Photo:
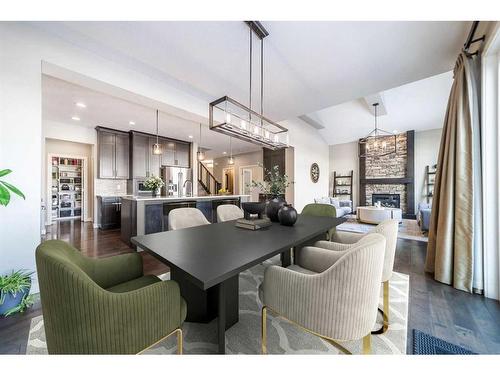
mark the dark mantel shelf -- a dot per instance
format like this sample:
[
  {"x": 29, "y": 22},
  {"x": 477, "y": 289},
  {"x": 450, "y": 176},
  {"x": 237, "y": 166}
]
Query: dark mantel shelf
[{"x": 387, "y": 180}]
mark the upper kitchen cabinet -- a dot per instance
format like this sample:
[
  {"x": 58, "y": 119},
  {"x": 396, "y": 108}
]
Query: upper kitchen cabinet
[
  {"x": 113, "y": 154},
  {"x": 140, "y": 155},
  {"x": 182, "y": 154},
  {"x": 168, "y": 156}
]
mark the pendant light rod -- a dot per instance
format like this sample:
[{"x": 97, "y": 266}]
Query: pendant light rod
[
  {"x": 375, "y": 105},
  {"x": 250, "y": 55},
  {"x": 157, "y": 115},
  {"x": 262, "y": 76}
]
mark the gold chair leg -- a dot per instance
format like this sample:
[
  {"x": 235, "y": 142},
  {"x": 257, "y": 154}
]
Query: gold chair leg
[
  {"x": 179, "y": 341},
  {"x": 367, "y": 344},
  {"x": 386, "y": 305},
  {"x": 385, "y": 311},
  {"x": 264, "y": 330}
]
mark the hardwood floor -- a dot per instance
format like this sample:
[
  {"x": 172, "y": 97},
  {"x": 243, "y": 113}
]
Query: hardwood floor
[
  {"x": 470, "y": 321},
  {"x": 463, "y": 319}
]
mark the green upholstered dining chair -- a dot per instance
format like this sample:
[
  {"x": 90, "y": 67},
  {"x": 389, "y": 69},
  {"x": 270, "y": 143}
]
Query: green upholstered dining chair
[
  {"x": 320, "y": 209},
  {"x": 104, "y": 306}
]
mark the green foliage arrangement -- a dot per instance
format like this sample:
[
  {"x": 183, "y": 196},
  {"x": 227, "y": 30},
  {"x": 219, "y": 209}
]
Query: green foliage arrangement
[
  {"x": 6, "y": 188},
  {"x": 274, "y": 183},
  {"x": 16, "y": 282},
  {"x": 154, "y": 183}
]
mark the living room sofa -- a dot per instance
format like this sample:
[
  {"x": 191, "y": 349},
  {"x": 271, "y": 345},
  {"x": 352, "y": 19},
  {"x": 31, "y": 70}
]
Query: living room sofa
[
  {"x": 342, "y": 206},
  {"x": 424, "y": 216}
]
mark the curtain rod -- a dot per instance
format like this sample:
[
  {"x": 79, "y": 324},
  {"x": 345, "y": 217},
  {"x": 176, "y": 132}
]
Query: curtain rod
[{"x": 470, "y": 38}]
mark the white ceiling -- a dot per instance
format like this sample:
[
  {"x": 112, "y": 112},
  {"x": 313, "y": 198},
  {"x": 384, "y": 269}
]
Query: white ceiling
[
  {"x": 59, "y": 100},
  {"x": 308, "y": 65},
  {"x": 417, "y": 106}
]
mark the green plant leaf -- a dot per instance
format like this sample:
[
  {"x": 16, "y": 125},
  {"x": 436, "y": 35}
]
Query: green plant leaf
[
  {"x": 4, "y": 196},
  {"x": 13, "y": 189},
  {"x": 5, "y": 172}
]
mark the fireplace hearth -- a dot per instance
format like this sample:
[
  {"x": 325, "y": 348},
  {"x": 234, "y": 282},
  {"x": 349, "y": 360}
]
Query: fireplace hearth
[{"x": 387, "y": 200}]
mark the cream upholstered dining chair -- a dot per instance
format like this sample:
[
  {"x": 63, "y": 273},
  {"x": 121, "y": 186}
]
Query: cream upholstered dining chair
[
  {"x": 344, "y": 240},
  {"x": 186, "y": 217},
  {"x": 227, "y": 212},
  {"x": 331, "y": 296}
]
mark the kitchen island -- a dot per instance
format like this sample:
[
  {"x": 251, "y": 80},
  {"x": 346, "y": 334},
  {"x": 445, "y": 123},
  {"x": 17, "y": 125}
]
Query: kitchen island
[{"x": 145, "y": 215}]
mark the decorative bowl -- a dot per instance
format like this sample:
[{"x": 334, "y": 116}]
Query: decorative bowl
[{"x": 253, "y": 208}]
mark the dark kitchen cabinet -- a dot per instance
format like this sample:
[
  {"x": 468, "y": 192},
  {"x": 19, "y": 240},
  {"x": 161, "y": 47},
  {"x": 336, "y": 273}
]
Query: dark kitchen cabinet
[
  {"x": 168, "y": 156},
  {"x": 140, "y": 155},
  {"x": 113, "y": 154},
  {"x": 121, "y": 156},
  {"x": 110, "y": 212},
  {"x": 182, "y": 152}
]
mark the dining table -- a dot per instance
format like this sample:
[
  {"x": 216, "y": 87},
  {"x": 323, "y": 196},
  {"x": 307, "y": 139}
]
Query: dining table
[{"x": 206, "y": 261}]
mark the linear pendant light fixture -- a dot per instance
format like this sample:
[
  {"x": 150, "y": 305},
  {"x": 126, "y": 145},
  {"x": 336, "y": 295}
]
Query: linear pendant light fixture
[
  {"x": 232, "y": 118},
  {"x": 157, "y": 150},
  {"x": 378, "y": 142}
]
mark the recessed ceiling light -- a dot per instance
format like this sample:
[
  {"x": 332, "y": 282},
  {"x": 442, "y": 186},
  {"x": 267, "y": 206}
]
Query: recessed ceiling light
[
  {"x": 190, "y": 136},
  {"x": 131, "y": 123},
  {"x": 81, "y": 105},
  {"x": 224, "y": 153},
  {"x": 76, "y": 118}
]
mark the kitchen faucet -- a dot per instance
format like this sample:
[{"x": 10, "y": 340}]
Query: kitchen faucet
[{"x": 191, "y": 190}]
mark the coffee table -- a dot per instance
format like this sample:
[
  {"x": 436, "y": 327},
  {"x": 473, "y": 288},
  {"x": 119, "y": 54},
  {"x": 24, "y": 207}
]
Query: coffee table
[{"x": 375, "y": 215}]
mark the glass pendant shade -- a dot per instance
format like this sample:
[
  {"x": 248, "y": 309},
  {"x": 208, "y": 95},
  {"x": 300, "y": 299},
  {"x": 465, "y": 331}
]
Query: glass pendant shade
[
  {"x": 200, "y": 155},
  {"x": 157, "y": 149},
  {"x": 230, "y": 160}
]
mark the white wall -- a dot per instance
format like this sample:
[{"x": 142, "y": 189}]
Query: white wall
[
  {"x": 309, "y": 147},
  {"x": 343, "y": 159},
  {"x": 426, "y": 153}
]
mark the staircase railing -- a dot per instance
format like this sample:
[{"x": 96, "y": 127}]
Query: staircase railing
[{"x": 207, "y": 180}]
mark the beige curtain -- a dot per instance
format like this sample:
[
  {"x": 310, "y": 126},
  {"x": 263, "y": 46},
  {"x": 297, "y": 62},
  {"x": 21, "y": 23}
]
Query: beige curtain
[{"x": 450, "y": 251}]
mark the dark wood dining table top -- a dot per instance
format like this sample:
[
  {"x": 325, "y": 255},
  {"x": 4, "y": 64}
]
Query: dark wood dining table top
[{"x": 212, "y": 253}]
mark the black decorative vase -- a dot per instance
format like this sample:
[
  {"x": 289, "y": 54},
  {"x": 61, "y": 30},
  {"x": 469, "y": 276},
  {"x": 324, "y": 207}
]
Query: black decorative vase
[
  {"x": 273, "y": 207},
  {"x": 287, "y": 215}
]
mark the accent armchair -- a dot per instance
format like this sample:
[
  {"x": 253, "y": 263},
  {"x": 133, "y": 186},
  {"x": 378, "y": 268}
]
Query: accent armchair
[
  {"x": 332, "y": 297},
  {"x": 343, "y": 241},
  {"x": 188, "y": 217},
  {"x": 104, "y": 306},
  {"x": 227, "y": 212},
  {"x": 321, "y": 209}
]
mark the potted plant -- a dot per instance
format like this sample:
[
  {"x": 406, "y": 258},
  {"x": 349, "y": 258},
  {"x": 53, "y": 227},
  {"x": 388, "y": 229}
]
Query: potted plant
[
  {"x": 273, "y": 188},
  {"x": 154, "y": 183},
  {"x": 14, "y": 292},
  {"x": 6, "y": 188},
  {"x": 14, "y": 288}
]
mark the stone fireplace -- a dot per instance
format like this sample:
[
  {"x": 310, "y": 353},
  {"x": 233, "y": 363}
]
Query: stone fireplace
[{"x": 390, "y": 178}]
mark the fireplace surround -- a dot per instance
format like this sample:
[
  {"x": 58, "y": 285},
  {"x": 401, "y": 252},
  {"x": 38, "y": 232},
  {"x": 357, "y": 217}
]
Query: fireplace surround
[{"x": 393, "y": 174}]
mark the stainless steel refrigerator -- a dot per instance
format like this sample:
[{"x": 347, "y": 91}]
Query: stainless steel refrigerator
[{"x": 178, "y": 181}]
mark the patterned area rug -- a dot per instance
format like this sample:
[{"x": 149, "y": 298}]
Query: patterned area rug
[
  {"x": 283, "y": 337},
  {"x": 408, "y": 229}
]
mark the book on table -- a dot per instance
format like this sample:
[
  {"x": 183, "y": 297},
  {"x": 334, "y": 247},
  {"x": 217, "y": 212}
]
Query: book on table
[{"x": 253, "y": 224}]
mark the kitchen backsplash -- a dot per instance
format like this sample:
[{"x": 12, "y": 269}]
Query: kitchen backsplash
[{"x": 110, "y": 187}]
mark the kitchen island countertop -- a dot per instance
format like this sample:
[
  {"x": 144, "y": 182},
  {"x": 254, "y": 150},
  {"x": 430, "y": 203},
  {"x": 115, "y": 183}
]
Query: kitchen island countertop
[{"x": 174, "y": 198}]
